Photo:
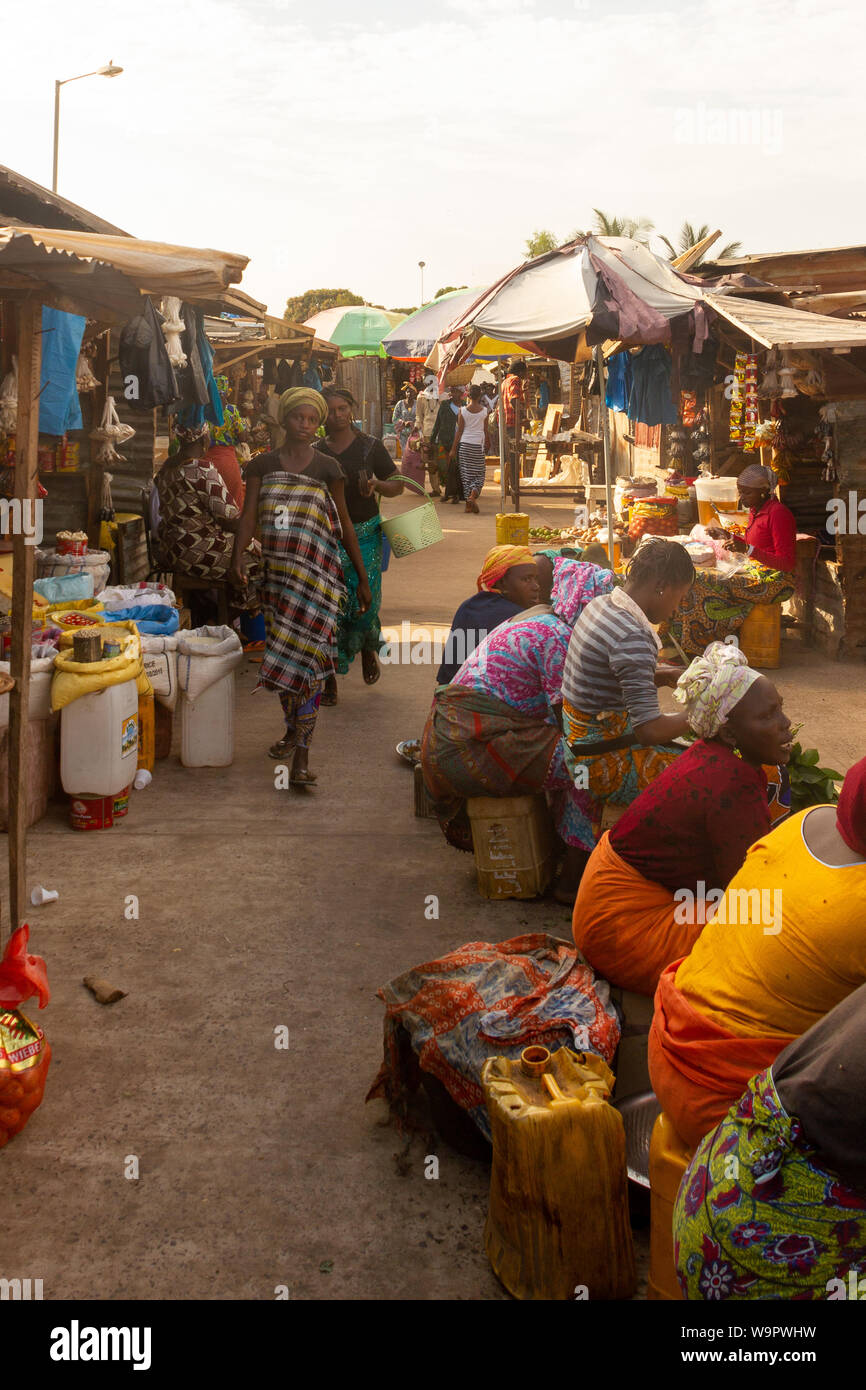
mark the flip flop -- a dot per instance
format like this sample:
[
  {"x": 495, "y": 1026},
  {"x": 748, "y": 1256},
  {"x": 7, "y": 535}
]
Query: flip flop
[
  {"x": 371, "y": 678},
  {"x": 281, "y": 748}
]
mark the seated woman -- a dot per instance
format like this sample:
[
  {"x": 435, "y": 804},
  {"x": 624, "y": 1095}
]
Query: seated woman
[
  {"x": 616, "y": 738},
  {"x": 718, "y": 606},
  {"x": 494, "y": 731},
  {"x": 507, "y": 584},
  {"x": 786, "y": 944},
  {"x": 197, "y": 519},
  {"x": 773, "y": 1204},
  {"x": 643, "y": 897}
]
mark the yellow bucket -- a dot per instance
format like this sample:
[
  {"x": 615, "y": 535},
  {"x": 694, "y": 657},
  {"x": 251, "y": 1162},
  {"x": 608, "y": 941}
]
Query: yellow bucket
[
  {"x": 512, "y": 528},
  {"x": 760, "y": 636}
]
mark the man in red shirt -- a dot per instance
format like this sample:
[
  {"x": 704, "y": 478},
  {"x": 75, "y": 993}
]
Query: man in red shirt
[
  {"x": 771, "y": 533},
  {"x": 512, "y": 392}
]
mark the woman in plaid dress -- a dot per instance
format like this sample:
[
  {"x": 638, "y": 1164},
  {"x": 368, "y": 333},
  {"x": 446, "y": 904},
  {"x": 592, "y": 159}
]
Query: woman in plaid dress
[{"x": 297, "y": 498}]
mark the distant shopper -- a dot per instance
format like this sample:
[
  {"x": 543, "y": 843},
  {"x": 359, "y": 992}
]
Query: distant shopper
[
  {"x": 426, "y": 410},
  {"x": 471, "y": 443},
  {"x": 442, "y": 439},
  {"x": 512, "y": 393},
  {"x": 403, "y": 417}
]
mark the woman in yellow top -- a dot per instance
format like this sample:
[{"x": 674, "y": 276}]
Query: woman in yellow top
[{"x": 787, "y": 943}]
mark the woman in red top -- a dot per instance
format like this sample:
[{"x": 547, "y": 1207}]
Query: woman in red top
[
  {"x": 718, "y": 604},
  {"x": 654, "y": 878}
]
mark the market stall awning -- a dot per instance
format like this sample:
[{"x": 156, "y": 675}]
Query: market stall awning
[
  {"x": 774, "y": 325},
  {"x": 615, "y": 283},
  {"x": 357, "y": 330},
  {"x": 106, "y": 275},
  {"x": 415, "y": 339}
]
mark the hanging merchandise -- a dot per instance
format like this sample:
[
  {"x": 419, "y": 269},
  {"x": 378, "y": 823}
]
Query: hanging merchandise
[
  {"x": 771, "y": 387},
  {"x": 786, "y": 377},
  {"x": 9, "y": 399},
  {"x": 744, "y": 401},
  {"x": 200, "y": 398},
  {"x": 689, "y": 408},
  {"x": 148, "y": 376},
  {"x": 619, "y": 381},
  {"x": 59, "y": 408},
  {"x": 829, "y": 472},
  {"x": 650, "y": 401},
  {"x": 172, "y": 329},
  {"x": 110, "y": 433},
  {"x": 84, "y": 378}
]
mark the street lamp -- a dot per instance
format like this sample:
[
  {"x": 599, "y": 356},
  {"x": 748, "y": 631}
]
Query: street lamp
[
  {"x": 421, "y": 265},
  {"x": 108, "y": 71}
]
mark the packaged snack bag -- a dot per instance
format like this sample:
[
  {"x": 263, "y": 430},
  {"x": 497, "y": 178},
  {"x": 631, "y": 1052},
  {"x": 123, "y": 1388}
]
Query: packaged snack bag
[{"x": 25, "y": 1053}]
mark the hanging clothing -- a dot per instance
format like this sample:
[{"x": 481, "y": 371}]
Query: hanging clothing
[
  {"x": 149, "y": 379},
  {"x": 650, "y": 399},
  {"x": 619, "y": 381},
  {"x": 59, "y": 408}
]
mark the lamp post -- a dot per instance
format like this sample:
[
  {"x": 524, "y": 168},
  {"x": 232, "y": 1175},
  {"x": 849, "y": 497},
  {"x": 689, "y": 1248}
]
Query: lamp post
[
  {"x": 421, "y": 265},
  {"x": 108, "y": 71}
]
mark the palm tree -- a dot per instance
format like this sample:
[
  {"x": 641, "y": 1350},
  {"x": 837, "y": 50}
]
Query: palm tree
[
  {"x": 690, "y": 236},
  {"x": 638, "y": 228}
]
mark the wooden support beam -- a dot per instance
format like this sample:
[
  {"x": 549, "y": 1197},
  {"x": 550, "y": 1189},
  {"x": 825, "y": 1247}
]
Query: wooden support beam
[{"x": 23, "y": 573}]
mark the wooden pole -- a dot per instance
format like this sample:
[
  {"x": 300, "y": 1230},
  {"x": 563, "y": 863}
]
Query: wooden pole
[
  {"x": 23, "y": 573},
  {"x": 605, "y": 422}
]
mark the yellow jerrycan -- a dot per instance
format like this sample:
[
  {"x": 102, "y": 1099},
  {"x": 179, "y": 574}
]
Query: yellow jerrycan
[{"x": 557, "y": 1223}]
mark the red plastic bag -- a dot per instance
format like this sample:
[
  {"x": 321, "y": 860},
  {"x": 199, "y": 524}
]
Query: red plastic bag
[{"x": 25, "y": 1053}]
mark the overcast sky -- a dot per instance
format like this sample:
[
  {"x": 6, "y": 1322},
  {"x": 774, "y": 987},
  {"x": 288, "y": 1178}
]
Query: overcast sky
[{"x": 338, "y": 144}]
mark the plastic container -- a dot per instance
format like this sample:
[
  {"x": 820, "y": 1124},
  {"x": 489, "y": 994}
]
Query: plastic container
[
  {"x": 207, "y": 725},
  {"x": 512, "y": 528},
  {"x": 413, "y": 530},
  {"x": 99, "y": 741},
  {"x": 514, "y": 845},
  {"x": 91, "y": 812},
  {"x": 760, "y": 637},
  {"x": 146, "y": 732},
  {"x": 558, "y": 1215},
  {"x": 715, "y": 492},
  {"x": 668, "y": 1160}
]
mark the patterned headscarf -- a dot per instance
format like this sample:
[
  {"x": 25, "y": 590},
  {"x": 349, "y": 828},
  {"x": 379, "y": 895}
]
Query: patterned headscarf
[
  {"x": 302, "y": 395},
  {"x": 713, "y": 685},
  {"x": 575, "y": 583},
  {"x": 500, "y": 559},
  {"x": 222, "y": 384},
  {"x": 851, "y": 810},
  {"x": 192, "y": 433}
]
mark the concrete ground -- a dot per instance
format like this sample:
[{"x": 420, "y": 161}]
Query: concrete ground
[{"x": 260, "y": 910}]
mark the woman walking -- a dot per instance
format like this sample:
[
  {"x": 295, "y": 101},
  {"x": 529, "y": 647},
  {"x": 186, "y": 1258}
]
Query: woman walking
[
  {"x": 297, "y": 496},
  {"x": 471, "y": 442},
  {"x": 369, "y": 474}
]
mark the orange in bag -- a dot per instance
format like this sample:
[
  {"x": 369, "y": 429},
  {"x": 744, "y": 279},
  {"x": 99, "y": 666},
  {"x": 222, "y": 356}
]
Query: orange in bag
[{"x": 25, "y": 1053}]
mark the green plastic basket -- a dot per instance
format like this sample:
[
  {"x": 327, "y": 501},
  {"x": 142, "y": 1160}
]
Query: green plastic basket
[{"x": 413, "y": 530}]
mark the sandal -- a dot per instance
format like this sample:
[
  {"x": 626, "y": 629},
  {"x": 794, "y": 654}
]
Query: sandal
[
  {"x": 329, "y": 694},
  {"x": 283, "y": 747},
  {"x": 371, "y": 668},
  {"x": 304, "y": 778}
]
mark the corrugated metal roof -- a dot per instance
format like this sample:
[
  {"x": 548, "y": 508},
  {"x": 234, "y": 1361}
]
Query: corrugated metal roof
[
  {"x": 22, "y": 200},
  {"x": 777, "y": 326}
]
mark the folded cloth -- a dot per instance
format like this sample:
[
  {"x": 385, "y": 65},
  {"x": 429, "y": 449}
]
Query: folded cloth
[
  {"x": 625, "y": 924},
  {"x": 156, "y": 619},
  {"x": 697, "y": 1068},
  {"x": 490, "y": 1000}
]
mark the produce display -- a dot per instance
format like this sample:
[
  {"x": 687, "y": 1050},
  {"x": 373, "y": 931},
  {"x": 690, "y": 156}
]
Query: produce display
[{"x": 574, "y": 535}]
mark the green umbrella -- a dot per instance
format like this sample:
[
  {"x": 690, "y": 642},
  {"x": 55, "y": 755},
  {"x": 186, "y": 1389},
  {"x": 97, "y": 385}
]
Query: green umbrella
[{"x": 356, "y": 329}]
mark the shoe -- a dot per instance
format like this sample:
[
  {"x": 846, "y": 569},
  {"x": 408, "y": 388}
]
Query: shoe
[{"x": 282, "y": 748}]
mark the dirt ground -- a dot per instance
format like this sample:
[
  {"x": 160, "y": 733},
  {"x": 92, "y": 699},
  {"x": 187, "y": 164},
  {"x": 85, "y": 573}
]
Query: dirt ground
[{"x": 258, "y": 910}]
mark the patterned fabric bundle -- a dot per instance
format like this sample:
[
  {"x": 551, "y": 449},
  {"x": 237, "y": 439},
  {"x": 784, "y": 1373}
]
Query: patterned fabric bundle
[
  {"x": 303, "y": 582},
  {"x": 192, "y": 502},
  {"x": 715, "y": 607},
  {"x": 486, "y": 1000}
]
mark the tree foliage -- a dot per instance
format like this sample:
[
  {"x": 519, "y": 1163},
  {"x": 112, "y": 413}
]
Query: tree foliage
[
  {"x": 449, "y": 289},
  {"x": 302, "y": 306},
  {"x": 638, "y": 228},
  {"x": 539, "y": 242},
  {"x": 690, "y": 235}
]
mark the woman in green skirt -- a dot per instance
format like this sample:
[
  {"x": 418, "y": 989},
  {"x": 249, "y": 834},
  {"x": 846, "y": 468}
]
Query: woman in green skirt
[{"x": 369, "y": 473}]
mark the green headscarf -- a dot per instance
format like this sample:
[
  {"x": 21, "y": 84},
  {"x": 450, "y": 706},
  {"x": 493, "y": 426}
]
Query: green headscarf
[{"x": 302, "y": 395}]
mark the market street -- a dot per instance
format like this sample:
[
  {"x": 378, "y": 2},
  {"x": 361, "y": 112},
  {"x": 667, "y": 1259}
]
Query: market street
[{"x": 260, "y": 1167}]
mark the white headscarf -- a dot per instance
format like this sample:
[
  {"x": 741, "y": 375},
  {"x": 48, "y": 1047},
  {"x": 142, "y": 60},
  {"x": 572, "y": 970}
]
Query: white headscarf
[{"x": 713, "y": 685}]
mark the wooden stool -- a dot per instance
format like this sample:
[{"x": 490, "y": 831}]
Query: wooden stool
[
  {"x": 184, "y": 585},
  {"x": 670, "y": 1156}
]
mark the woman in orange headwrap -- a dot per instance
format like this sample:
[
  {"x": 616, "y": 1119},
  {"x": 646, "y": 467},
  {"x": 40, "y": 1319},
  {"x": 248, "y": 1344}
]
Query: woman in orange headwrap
[
  {"x": 785, "y": 946},
  {"x": 508, "y": 583}
]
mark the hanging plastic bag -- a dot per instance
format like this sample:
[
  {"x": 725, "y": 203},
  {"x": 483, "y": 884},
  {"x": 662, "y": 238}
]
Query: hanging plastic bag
[
  {"x": 84, "y": 378},
  {"x": 25, "y": 1053},
  {"x": 9, "y": 399},
  {"x": 172, "y": 329},
  {"x": 111, "y": 432}
]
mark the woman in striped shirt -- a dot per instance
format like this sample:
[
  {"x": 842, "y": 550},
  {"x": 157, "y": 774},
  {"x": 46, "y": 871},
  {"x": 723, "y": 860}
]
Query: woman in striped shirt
[{"x": 616, "y": 737}]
